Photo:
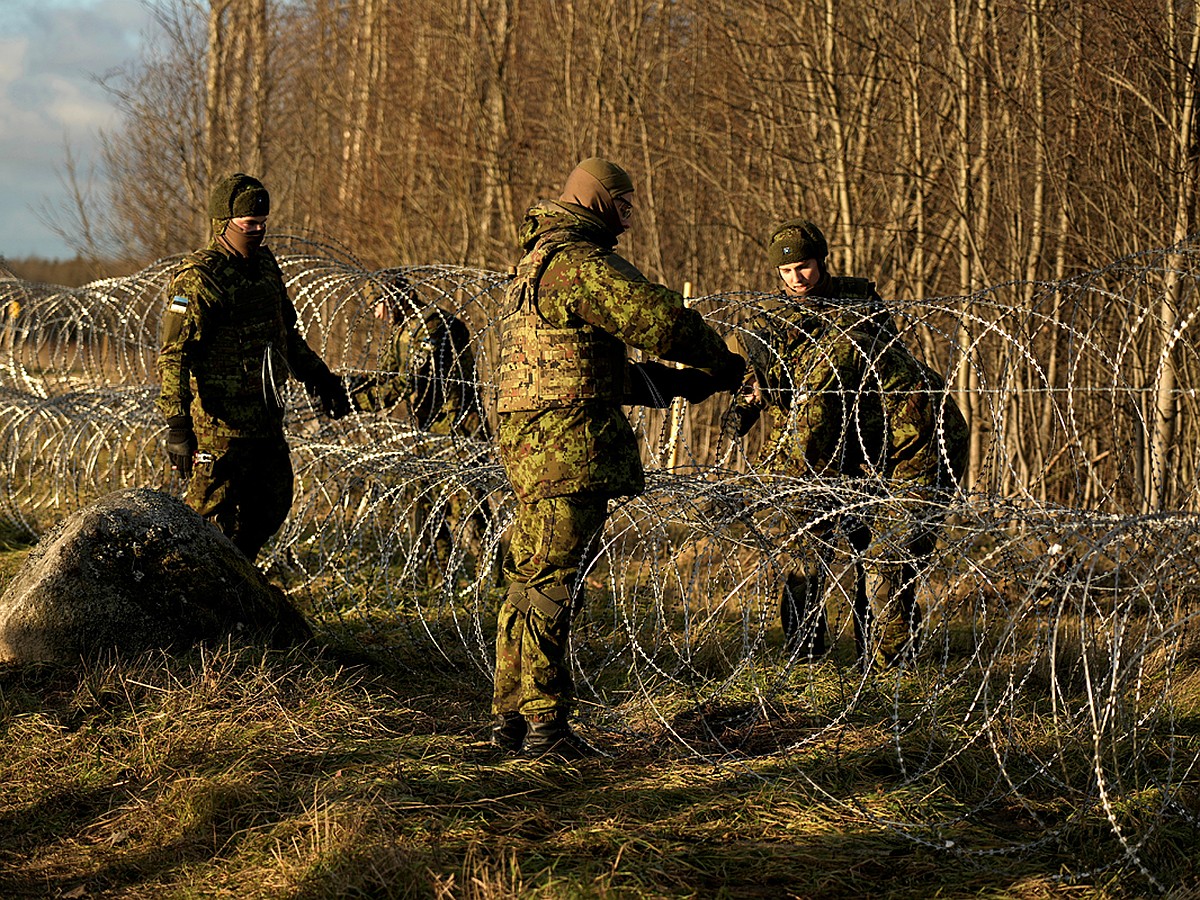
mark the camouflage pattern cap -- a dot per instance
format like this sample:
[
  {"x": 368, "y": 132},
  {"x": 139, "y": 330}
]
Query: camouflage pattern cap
[
  {"x": 238, "y": 195},
  {"x": 795, "y": 241}
]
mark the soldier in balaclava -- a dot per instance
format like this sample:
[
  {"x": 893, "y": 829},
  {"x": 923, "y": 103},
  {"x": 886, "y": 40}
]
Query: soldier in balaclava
[
  {"x": 565, "y": 442},
  {"x": 229, "y": 342},
  {"x": 846, "y": 398}
]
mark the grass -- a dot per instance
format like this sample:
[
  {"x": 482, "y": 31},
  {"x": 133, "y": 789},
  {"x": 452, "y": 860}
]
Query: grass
[{"x": 323, "y": 773}]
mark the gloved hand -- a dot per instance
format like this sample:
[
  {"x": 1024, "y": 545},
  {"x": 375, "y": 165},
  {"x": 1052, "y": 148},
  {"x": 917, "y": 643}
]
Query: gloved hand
[
  {"x": 647, "y": 387},
  {"x": 693, "y": 385},
  {"x": 332, "y": 393},
  {"x": 737, "y": 421},
  {"x": 729, "y": 375},
  {"x": 656, "y": 385},
  {"x": 181, "y": 444}
]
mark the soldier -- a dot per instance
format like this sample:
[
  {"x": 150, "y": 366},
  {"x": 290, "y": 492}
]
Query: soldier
[
  {"x": 847, "y": 398},
  {"x": 798, "y": 252},
  {"x": 229, "y": 341},
  {"x": 427, "y": 361},
  {"x": 566, "y": 445}
]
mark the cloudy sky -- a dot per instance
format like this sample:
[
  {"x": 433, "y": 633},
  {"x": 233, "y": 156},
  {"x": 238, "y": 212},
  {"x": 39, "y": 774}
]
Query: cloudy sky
[{"x": 50, "y": 53}]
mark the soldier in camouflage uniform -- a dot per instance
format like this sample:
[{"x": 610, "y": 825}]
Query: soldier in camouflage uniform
[
  {"x": 229, "y": 341},
  {"x": 847, "y": 398},
  {"x": 426, "y": 362},
  {"x": 566, "y": 445}
]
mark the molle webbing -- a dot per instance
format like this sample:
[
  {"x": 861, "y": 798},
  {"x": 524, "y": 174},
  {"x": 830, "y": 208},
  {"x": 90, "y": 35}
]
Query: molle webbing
[{"x": 542, "y": 366}]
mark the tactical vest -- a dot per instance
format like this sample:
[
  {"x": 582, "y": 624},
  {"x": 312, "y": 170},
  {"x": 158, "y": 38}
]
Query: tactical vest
[
  {"x": 543, "y": 366},
  {"x": 240, "y": 364}
]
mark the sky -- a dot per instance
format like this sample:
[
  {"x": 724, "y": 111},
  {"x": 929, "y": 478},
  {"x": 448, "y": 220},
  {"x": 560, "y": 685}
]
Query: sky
[{"x": 51, "y": 52}]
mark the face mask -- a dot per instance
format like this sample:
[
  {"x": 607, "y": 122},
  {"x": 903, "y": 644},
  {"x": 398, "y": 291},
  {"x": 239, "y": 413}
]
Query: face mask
[{"x": 240, "y": 242}]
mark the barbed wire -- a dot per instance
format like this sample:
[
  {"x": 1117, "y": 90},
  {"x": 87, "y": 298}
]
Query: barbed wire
[{"x": 1060, "y": 641}]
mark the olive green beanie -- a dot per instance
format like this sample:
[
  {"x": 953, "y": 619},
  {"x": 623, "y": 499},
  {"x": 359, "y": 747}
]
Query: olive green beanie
[
  {"x": 795, "y": 241},
  {"x": 238, "y": 195}
]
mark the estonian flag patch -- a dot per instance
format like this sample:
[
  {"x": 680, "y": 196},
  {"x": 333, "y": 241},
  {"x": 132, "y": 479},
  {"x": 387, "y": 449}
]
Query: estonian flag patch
[{"x": 178, "y": 305}]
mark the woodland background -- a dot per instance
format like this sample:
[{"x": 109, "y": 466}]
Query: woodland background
[
  {"x": 997, "y": 155},
  {"x": 946, "y": 147}
]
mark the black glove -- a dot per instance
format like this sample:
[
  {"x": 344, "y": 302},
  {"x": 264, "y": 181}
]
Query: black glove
[
  {"x": 656, "y": 385},
  {"x": 332, "y": 393},
  {"x": 728, "y": 376},
  {"x": 693, "y": 385},
  {"x": 650, "y": 385},
  {"x": 181, "y": 444},
  {"x": 737, "y": 422}
]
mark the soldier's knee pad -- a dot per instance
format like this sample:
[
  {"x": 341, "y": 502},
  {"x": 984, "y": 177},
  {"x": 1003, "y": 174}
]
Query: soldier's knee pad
[{"x": 550, "y": 604}]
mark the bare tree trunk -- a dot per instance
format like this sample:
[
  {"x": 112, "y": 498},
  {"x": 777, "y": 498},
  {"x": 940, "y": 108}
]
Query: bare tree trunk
[
  {"x": 214, "y": 90},
  {"x": 1183, "y": 157},
  {"x": 965, "y": 32},
  {"x": 498, "y": 213},
  {"x": 363, "y": 78},
  {"x": 260, "y": 85}
]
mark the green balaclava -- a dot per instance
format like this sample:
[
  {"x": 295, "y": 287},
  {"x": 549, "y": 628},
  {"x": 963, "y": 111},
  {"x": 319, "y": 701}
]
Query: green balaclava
[
  {"x": 232, "y": 197},
  {"x": 795, "y": 241},
  {"x": 594, "y": 184}
]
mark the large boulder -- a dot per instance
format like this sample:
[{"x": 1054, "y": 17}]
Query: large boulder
[{"x": 138, "y": 570}]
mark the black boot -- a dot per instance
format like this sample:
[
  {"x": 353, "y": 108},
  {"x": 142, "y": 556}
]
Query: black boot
[
  {"x": 555, "y": 738},
  {"x": 508, "y": 731}
]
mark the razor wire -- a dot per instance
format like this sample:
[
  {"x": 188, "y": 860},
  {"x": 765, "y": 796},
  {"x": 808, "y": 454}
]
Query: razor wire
[{"x": 1060, "y": 605}]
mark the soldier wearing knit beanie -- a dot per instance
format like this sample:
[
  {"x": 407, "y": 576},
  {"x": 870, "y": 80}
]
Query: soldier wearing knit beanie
[
  {"x": 795, "y": 241},
  {"x": 846, "y": 398},
  {"x": 230, "y": 340},
  {"x": 238, "y": 206},
  {"x": 797, "y": 249}
]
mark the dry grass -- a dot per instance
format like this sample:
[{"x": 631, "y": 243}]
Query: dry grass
[{"x": 245, "y": 774}]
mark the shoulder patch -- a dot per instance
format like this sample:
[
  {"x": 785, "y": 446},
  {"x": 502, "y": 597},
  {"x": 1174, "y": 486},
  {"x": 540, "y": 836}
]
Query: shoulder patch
[{"x": 178, "y": 305}]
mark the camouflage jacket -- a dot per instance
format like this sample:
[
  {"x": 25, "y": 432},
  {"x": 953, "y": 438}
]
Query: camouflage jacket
[
  {"x": 852, "y": 303},
  {"x": 229, "y": 341},
  {"x": 848, "y": 400},
  {"x": 582, "y": 296},
  {"x": 428, "y": 363}
]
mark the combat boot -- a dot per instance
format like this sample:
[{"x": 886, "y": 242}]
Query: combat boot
[
  {"x": 554, "y": 737},
  {"x": 508, "y": 732}
]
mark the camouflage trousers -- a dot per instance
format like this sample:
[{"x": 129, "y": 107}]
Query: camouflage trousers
[
  {"x": 892, "y": 553},
  {"x": 550, "y": 540},
  {"x": 243, "y": 486}
]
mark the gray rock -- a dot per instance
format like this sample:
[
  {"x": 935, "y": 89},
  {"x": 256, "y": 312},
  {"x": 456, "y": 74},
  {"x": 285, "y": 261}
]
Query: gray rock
[{"x": 135, "y": 571}]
